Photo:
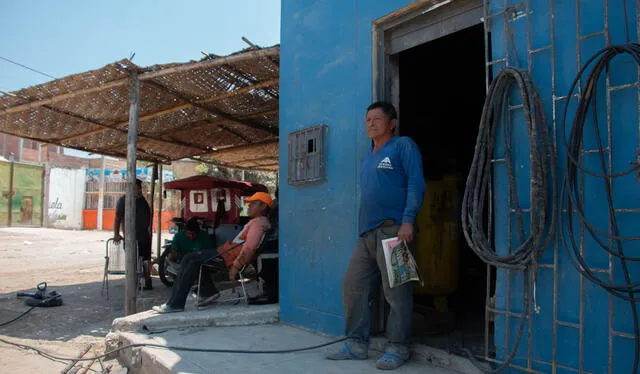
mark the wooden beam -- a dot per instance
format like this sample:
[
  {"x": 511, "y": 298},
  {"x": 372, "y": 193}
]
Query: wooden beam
[
  {"x": 255, "y": 159},
  {"x": 107, "y": 127},
  {"x": 265, "y": 52},
  {"x": 234, "y": 132},
  {"x": 218, "y": 113},
  {"x": 255, "y": 86},
  {"x": 273, "y": 51},
  {"x": 69, "y": 95},
  {"x": 244, "y": 146},
  {"x": 227, "y": 165},
  {"x": 177, "y": 108}
]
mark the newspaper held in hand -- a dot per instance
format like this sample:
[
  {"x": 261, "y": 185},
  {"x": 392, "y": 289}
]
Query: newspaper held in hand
[{"x": 401, "y": 266}]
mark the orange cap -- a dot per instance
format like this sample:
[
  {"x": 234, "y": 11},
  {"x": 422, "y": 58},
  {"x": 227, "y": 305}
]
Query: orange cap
[{"x": 260, "y": 196}]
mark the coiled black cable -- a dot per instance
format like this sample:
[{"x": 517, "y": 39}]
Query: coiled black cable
[
  {"x": 543, "y": 184},
  {"x": 611, "y": 241}
]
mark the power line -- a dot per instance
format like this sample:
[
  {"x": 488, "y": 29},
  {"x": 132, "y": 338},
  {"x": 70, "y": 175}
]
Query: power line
[{"x": 26, "y": 67}]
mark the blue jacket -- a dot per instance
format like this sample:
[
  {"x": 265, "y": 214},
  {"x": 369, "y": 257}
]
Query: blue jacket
[{"x": 391, "y": 183}]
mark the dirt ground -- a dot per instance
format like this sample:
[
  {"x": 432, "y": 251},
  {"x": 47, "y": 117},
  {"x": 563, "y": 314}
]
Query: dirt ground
[{"x": 72, "y": 263}]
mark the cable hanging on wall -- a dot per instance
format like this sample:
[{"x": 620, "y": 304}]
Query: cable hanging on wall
[
  {"x": 612, "y": 241},
  {"x": 543, "y": 189}
]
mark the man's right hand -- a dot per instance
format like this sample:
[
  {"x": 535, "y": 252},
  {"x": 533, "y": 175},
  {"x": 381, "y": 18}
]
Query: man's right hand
[{"x": 117, "y": 238}]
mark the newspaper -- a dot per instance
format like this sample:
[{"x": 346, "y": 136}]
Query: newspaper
[{"x": 401, "y": 266}]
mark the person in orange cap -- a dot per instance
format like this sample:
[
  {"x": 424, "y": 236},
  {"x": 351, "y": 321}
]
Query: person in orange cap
[{"x": 235, "y": 255}]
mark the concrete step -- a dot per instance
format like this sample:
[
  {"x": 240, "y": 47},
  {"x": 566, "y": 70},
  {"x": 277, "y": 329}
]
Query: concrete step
[
  {"x": 217, "y": 315},
  {"x": 149, "y": 360}
]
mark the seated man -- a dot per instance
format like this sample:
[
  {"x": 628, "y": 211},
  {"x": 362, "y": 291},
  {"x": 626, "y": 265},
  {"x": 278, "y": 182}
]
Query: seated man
[
  {"x": 236, "y": 255},
  {"x": 186, "y": 241}
]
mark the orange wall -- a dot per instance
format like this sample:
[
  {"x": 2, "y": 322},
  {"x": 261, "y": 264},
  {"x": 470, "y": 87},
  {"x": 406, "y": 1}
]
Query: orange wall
[{"x": 90, "y": 219}]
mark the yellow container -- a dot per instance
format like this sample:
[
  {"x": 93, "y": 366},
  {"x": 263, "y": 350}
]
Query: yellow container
[
  {"x": 438, "y": 242},
  {"x": 429, "y": 240}
]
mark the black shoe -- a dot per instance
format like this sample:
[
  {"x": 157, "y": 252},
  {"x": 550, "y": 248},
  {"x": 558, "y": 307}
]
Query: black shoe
[{"x": 147, "y": 285}]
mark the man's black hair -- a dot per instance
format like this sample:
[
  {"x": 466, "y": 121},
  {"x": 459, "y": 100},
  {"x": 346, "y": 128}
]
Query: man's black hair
[
  {"x": 192, "y": 224},
  {"x": 139, "y": 181},
  {"x": 386, "y": 107}
]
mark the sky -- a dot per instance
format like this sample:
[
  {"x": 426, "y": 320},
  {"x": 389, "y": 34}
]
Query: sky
[{"x": 65, "y": 37}]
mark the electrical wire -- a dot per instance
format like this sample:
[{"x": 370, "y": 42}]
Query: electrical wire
[
  {"x": 574, "y": 179},
  {"x": 168, "y": 347},
  {"x": 26, "y": 67},
  {"x": 543, "y": 190},
  {"x": 18, "y": 317}
]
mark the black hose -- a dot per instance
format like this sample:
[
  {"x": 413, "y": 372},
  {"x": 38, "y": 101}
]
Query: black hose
[
  {"x": 18, "y": 317},
  {"x": 173, "y": 348},
  {"x": 574, "y": 179},
  {"x": 543, "y": 184}
]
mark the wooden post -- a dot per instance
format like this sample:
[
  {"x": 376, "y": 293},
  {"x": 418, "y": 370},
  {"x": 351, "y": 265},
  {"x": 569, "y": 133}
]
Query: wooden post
[
  {"x": 131, "y": 268},
  {"x": 160, "y": 197},
  {"x": 11, "y": 168},
  {"x": 43, "y": 194},
  {"x": 154, "y": 176},
  {"x": 101, "y": 194}
]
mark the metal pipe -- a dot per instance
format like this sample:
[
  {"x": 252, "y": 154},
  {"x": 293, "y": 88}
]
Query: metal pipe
[{"x": 131, "y": 267}]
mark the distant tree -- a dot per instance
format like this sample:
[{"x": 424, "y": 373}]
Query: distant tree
[{"x": 269, "y": 179}]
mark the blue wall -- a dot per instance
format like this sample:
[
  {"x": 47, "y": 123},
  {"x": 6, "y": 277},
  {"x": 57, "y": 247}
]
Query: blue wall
[{"x": 326, "y": 78}]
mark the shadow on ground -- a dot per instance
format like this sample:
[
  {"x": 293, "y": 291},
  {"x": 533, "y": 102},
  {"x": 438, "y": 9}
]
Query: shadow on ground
[{"x": 84, "y": 311}]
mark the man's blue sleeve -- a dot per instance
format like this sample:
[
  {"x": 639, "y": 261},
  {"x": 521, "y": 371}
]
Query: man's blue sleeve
[{"x": 416, "y": 186}]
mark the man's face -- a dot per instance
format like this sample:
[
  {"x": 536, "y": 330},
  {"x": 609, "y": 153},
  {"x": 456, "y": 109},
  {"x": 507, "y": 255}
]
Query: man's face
[
  {"x": 192, "y": 235},
  {"x": 378, "y": 124},
  {"x": 255, "y": 209}
]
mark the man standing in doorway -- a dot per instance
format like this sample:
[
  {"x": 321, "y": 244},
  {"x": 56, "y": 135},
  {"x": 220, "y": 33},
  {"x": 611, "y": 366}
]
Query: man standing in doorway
[
  {"x": 392, "y": 189},
  {"x": 143, "y": 229}
]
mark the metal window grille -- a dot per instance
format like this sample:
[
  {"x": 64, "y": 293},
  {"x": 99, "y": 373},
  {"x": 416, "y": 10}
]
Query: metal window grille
[{"x": 307, "y": 156}]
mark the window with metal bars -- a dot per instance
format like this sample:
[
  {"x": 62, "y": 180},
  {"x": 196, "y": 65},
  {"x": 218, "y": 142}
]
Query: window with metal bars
[{"x": 307, "y": 155}]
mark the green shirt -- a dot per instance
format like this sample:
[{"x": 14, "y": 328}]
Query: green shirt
[{"x": 183, "y": 245}]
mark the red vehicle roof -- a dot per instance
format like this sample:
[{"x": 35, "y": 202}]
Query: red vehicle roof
[{"x": 199, "y": 182}]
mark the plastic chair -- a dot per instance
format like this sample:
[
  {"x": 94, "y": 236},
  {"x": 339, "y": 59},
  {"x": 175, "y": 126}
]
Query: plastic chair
[{"x": 114, "y": 264}]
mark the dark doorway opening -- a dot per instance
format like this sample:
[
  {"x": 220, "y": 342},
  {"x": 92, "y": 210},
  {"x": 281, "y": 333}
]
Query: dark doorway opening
[{"x": 441, "y": 94}]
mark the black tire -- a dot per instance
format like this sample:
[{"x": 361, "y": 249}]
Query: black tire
[{"x": 166, "y": 279}]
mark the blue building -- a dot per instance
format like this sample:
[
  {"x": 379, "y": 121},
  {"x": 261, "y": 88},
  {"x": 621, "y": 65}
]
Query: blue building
[{"x": 434, "y": 60}]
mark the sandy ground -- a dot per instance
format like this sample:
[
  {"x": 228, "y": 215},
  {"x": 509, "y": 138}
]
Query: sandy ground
[{"x": 72, "y": 263}]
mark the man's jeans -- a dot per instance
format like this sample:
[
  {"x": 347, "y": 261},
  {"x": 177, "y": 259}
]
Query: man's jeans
[
  {"x": 188, "y": 274},
  {"x": 362, "y": 281}
]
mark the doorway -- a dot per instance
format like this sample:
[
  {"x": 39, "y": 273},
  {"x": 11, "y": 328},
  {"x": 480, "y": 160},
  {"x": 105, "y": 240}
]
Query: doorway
[{"x": 432, "y": 68}]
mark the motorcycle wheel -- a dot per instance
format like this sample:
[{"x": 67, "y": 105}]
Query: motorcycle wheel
[{"x": 165, "y": 277}]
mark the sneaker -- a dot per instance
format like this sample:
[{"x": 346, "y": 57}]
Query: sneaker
[
  {"x": 350, "y": 351},
  {"x": 203, "y": 301},
  {"x": 392, "y": 359},
  {"x": 164, "y": 308},
  {"x": 173, "y": 267}
]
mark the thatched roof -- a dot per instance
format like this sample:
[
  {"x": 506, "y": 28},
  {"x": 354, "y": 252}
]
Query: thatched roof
[{"x": 222, "y": 110}]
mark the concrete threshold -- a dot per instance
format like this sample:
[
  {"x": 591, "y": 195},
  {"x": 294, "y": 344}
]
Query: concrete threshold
[
  {"x": 254, "y": 327},
  {"x": 150, "y": 360},
  {"x": 218, "y": 315}
]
